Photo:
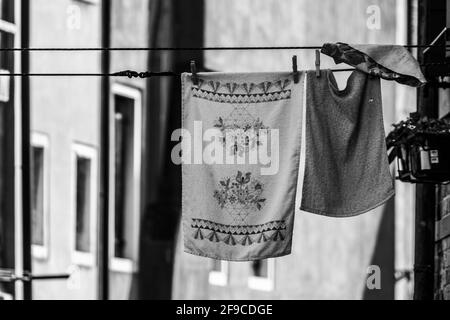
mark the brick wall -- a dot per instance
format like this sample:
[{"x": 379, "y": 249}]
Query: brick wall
[
  {"x": 442, "y": 249},
  {"x": 442, "y": 267}
]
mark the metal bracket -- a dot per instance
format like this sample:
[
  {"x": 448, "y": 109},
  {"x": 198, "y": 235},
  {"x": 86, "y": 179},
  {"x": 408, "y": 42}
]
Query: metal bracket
[
  {"x": 9, "y": 275},
  {"x": 442, "y": 33},
  {"x": 437, "y": 63}
]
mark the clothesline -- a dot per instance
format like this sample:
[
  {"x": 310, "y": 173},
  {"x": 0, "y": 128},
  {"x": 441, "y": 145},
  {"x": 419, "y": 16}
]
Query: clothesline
[
  {"x": 146, "y": 74},
  {"x": 115, "y": 74},
  {"x": 129, "y": 74},
  {"x": 190, "y": 48}
]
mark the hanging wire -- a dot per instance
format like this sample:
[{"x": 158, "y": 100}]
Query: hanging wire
[
  {"x": 163, "y": 48},
  {"x": 128, "y": 73},
  {"x": 195, "y": 48},
  {"x": 142, "y": 75},
  {"x": 147, "y": 74}
]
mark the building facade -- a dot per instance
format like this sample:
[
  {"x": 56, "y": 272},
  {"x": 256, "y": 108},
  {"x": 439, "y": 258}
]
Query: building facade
[
  {"x": 66, "y": 148},
  {"x": 331, "y": 258}
]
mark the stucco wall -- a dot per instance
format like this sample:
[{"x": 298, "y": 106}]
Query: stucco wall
[
  {"x": 66, "y": 109},
  {"x": 129, "y": 29}
]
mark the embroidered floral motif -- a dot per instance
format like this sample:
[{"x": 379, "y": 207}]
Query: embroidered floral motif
[
  {"x": 238, "y": 234},
  {"x": 239, "y": 196},
  {"x": 244, "y": 190},
  {"x": 242, "y": 130}
]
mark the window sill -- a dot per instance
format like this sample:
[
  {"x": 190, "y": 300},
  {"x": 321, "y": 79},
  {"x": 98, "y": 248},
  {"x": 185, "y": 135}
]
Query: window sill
[
  {"x": 89, "y": 1},
  {"x": 261, "y": 284},
  {"x": 123, "y": 265},
  {"x": 218, "y": 279},
  {"x": 39, "y": 252},
  {"x": 83, "y": 259}
]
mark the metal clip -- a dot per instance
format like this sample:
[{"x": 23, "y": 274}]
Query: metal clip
[
  {"x": 317, "y": 63},
  {"x": 295, "y": 70},
  {"x": 194, "y": 73}
]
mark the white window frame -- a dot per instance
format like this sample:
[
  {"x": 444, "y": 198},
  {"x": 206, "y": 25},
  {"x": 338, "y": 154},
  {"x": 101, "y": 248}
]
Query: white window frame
[
  {"x": 5, "y": 83},
  {"x": 88, "y": 1},
  {"x": 220, "y": 278},
  {"x": 40, "y": 140},
  {"x": 264, "y": 283},
  {"x": 8, "y": 27},
  {"x": 124, "y": 265},
  {"x": 5, "y": 296},
  {"x": 12, "y": 28},
  {"x": 85, "y": 259}
]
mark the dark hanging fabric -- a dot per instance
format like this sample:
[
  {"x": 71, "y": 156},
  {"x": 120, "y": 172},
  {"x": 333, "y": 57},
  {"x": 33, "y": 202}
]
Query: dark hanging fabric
[
  {"x": 390, "y": 62},
  {"x": 161, "y": 179},
  {"x": 346, "y": 166}
]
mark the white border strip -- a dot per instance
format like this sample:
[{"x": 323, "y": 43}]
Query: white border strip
[
  {"x": 40, "y": 140},
  {"x": 301, "y": 172}
]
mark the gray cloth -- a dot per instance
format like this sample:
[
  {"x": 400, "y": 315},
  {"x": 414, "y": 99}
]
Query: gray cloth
[{"x": 346, "y": 165}]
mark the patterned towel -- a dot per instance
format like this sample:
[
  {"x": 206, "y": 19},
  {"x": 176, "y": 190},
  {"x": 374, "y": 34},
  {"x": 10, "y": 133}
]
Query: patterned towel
[
  {"x": 238, "y": 204},
  {"x": 390, "y": 62}
]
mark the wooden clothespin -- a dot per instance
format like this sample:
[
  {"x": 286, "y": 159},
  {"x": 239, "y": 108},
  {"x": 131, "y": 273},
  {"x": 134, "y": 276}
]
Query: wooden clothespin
[
  {"x": 194, "y": 73},
  {"x": 317, "y": 63},
  {"x": 295, "y": 70}
]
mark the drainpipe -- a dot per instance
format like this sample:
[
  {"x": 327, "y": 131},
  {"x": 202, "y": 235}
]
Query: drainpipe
[
  {"x": 104, "y": 153},
  {"x": 26, "y": 154},
  {"x": 431, "y": 21}
]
